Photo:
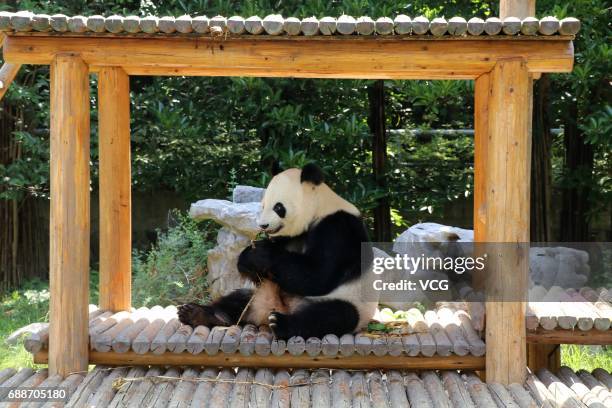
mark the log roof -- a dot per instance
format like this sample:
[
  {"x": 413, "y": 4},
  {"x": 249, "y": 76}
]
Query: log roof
[{"x": 277, "y": 25}]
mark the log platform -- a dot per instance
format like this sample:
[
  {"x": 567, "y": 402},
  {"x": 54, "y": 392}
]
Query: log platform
[{"x": 149, "y": 386}]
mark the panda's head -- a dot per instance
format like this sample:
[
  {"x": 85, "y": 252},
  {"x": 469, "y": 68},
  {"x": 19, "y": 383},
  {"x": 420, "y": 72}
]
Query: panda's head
[{"x": 290, "y": 203}]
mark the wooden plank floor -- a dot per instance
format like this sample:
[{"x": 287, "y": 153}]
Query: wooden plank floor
[{"x": 154, "y": 386}]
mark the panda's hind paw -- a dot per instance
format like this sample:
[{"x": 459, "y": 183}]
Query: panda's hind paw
[
  {"x": 279, "y": 325},
  {"x": 195, "y": 315}
]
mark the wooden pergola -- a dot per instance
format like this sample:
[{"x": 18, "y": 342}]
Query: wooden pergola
[{"x": 503, "y": 67}]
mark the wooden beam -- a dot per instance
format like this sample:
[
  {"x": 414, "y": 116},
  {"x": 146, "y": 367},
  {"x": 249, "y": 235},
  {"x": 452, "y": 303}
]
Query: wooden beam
[
  {"x": 516, "y": 8},
  {"x": 561, "y": 336},
  {"x": 338, "y": 57},
  {"x": 285, "y": 361},
  {"x": 505, "y": 186},
  {"x": 69, "y": 216},
  {"x": 8, "y": 72},
  {"x": 543, "y": 356},
  {"x": 115, "y": 189}
]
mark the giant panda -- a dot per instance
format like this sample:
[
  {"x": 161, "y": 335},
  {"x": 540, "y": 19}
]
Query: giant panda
[{"x": 308, "y": 272}]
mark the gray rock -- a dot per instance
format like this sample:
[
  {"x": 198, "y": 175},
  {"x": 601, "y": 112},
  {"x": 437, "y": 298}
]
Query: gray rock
[
  {"x": 248, "y": 194},
  {"x": 239, "y": 217}
]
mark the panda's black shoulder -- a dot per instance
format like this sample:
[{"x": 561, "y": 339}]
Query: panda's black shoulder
[{"x": 341, "y": 223}]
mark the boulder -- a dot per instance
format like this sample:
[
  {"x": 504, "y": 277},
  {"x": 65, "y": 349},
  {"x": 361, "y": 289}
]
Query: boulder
[
  {"x": 239, "y": 217},
  {"x": 247, "y": 194}
]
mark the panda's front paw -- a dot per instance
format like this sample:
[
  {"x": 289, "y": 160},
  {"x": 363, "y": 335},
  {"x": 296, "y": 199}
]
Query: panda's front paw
[
  {"x": 279, "y": 325},
  {"x": 255, "y": 263}
]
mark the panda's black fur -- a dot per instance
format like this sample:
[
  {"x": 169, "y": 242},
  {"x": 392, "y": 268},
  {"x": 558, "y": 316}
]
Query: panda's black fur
[{"x": 305, "y": 268}]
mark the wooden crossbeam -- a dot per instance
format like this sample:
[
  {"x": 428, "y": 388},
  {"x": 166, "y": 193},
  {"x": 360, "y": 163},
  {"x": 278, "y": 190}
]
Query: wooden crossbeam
[
  {"x": 337, "y": 57},
  {"x": 8, "y": 72}
]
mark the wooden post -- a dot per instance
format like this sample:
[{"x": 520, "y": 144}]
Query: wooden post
[
  {"x": 516, "y": 8},
  {"x": 69, "y": 217},
  {"x": 503, "y": 207},
  {"x": 115, "y": 189}
]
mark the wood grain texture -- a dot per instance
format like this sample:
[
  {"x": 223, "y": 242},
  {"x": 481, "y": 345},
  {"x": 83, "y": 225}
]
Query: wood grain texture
[
  {"x": 115, "y": 189},
  {"x": 506, "y": 186},
  {"x": 382, "y": 57},
  {"x": 516, "y": 8},
  {"x": 8, "y": 72},
  {"x": 69, "y": 216}
]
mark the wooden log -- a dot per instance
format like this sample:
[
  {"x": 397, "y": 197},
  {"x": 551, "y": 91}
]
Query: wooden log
[
  {"x": 263, "y": 340},
  {"x": 278, "y": 347},
  {"x": 197, "y": 340},
  {"x": 477, "y": 346},
  {"x": 114, "y": 24},
  {"x": 300, "y": 391},
  {"x": 427, "y": 344},
  {"x": 77, "y": 24},
  {"x": 330, "y": 345},
  {"x": 457, "y": 392},
  {"x": 511, "y": 25},
  {"x": 327, "y": 25},
  {"x": 41, "y": 22},
  {"x": 5, "y": 21},
  {"x": 359, "y": 390},
  {"x": 457, "y": 26},
  {"x": 544, "y": 311},
  {"x": 402, "y": 24},
  {"x": 213, "y": 341},
  {"x": 143, "y": 341},
  {"x": 602, "y": 310},
  {"x": 292, "y": 26},
  {"x": 254, "y": 25},
  {"x": 94, "y": 23},
  {"x": 167, "y": 24},
  {"x": 131, "y": 24},
  {"x": 123, "y": 341},
  {"x": 493, "y": 26},
  {"x": 127, "y": 389},
  {"x": 15, "y": 381},
  {"x": 341, "y": 389},
  {"x": 296, "y": 345},
  {"x": 574, "y": 383},
  {"x": 379, "y": 345},
  {"x": 522, "y": 396},
  {"x": 569, "y": 26},
  {"x": 434, "y": 387},
  {"x": 416, "y": 321},
  {"x": 321, "y": 393},
  {"x": 22, "y": 21},
  {"x": 6, "y": 374},
  {"x": 200, "y": 24},
  {"x": 412, "y": 346},
  {"x": 241, "y": 392},
  {"x": 184, "y": 389},
  {"x": 313, "y": 346},
  {"x": 438, "y": 26},
  {"x": 88, "y": 387},
  {"x": 347, "y": 345},
  {"x": 102, "y": 340},
  {"x": 247, "y": 340},
  {"x": 478, "y": 391},
  {"x": 273, "y": 24},
  {"x": 115, "y": 187},
  {"x": 395, "y": 347},
  {"x": 202, "y": 392},
  {"x": 417, "y": 394},
  {"x": 231, "y": 339},
  {"x": 596, "y": 387},
  {"x": 150, "y": 24},
  {"x": 161, "y": 393},
  {"x": 141, "y": 392},
  {"x": 50, "y": 382},
  {"x": 260, "y": 392},
  {"x": 363, "y": 344},
  {"x": 384, "y": 26},
  {"x": 235, "y": 25},
  {"x": 37, "y": 341},
  {"x": 451, "y": 324},
  {"x": 559, "y": 336},
  {"x": 160, "y": 342},
  {"x": 281, "y": 395},
  {"x": 365, "y": 25},
  {"x": 183, "y": 24},
  {"x": 420, "y": 25},
  {"x": 177, "y": 343},
  {"x": 310, "y": 26},
  {"x": 508, "y": 150},
  {"x": 443, "y": 343},
  {"x": 346, "y": 24},
  {"x": 69, "y": 219},
  {"x": 59, "y": 23},
  {"x": 602, "y": 375},
  {"x": 548, "y": 25},
  {"x": 105, "y": 392},
  {"x": 530, "y": 26},
  {"x": 397, "y": 392},
  {"x": 562, "y": 395},
  {"x": 501, "y": 396}
]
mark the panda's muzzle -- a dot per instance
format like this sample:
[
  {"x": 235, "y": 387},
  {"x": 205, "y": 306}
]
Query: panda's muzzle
[{"x": 271, "y": 231}]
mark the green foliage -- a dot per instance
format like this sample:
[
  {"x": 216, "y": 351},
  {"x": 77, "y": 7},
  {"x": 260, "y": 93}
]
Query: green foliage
[
  {"x": 174, "y": 269},
  {"x": 586, "y": 357}
]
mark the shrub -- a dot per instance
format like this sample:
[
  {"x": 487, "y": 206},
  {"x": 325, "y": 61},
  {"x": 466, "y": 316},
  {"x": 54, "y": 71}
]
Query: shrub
[{"x": 173, "y": 270}]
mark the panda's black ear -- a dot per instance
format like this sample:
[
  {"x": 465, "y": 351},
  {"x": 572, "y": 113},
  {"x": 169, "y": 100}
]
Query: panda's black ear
[
  {"x": 311, "y": 173},
  {"x": 276, "y": 168}
]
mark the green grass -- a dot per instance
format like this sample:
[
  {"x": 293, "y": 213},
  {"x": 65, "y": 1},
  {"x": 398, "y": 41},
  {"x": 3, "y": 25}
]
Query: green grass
[{"x": 586, "y": 357}]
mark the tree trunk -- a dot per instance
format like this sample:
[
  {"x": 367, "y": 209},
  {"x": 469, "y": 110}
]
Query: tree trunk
[
  {"x": 541, "y": 167},
  {"x": 576, "y": 189},
  {"x": 382, "y": 213}
]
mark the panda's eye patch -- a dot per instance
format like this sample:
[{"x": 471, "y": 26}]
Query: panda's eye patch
[{"x": 280, "y": 210}]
